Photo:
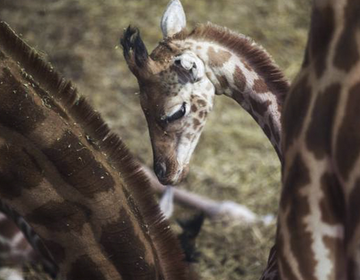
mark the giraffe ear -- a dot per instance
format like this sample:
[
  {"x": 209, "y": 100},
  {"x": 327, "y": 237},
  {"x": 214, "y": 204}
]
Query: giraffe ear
[
  {"x": 173, "y": 19},
  {"x": 135, "y": 52}
]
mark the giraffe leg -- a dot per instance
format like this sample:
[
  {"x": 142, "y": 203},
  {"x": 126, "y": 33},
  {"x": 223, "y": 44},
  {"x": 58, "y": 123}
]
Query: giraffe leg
[{"x": 19, "y": 244}]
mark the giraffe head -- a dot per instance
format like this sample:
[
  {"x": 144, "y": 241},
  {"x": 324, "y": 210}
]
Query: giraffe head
[{"x": 175, "y": 93}]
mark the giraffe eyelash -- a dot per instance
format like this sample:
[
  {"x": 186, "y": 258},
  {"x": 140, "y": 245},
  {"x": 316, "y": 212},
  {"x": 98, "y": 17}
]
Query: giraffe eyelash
[{"x": 175, "y": 116}]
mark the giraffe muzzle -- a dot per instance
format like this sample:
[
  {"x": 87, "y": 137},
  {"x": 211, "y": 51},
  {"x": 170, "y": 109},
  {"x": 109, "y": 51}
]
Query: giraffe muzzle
[
  {"x": 160, "y": 171},
  {"x": 168, "y": 174}
]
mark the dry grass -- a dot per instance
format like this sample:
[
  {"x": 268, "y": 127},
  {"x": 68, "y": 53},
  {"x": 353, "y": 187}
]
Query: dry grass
[{"x": 234, "y": 160}]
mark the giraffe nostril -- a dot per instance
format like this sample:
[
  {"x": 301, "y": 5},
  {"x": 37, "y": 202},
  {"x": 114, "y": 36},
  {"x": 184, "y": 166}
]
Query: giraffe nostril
[{"x": 160, "y": 170}]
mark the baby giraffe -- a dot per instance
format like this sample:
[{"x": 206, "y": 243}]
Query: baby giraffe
[{"x": 180, "y": 78}]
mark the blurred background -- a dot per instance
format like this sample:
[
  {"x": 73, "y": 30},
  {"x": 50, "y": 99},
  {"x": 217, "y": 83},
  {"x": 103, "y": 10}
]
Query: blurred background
[{"x": 234, "y": 160}]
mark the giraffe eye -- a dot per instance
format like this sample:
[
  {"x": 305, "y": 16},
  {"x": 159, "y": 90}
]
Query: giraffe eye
[{"x": 177, "y": 115}]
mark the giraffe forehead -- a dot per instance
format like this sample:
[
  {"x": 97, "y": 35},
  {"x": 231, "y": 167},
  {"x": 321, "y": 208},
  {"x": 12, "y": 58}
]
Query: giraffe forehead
[{"x": 163, "y": 51}]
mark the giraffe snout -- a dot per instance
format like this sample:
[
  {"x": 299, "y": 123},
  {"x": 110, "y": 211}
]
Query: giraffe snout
[{"x": 160, "y": 170}]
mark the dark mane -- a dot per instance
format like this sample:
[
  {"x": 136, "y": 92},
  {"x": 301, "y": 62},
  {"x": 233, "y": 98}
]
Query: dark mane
[
  {"x": 252, "y": 53},
  {"x": 65, "y": 95}
]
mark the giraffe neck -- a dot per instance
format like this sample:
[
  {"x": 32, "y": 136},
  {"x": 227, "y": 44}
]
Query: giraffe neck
[
  {"x": 245, "y": 72},
  {"x": 60, "y": 169}
]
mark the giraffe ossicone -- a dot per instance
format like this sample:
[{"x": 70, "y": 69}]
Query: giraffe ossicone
[
  {"x": 174, "y": 19},
  {"x": 179, "y": 79}
]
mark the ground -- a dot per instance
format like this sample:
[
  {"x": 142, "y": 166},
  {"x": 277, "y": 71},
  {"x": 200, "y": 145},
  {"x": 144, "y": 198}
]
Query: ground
[{"x": 234, "y": 160}]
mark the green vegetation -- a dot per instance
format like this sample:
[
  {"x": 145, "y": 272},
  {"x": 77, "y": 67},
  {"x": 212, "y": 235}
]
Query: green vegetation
[{"x": 234, "y": 160}]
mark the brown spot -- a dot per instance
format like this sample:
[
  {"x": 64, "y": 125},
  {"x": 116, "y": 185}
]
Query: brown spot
[
  {"x": 224, "y": 84},
  {"x": 348, "y": 142},
  {"x": 287, "y": 271},
  {"x": 218, "y": 58},
  {"x": 78, "y": 167},
  {"x": 239, "y": 97},
  {"x": 260, "y": 86},
  {"x": 239, "y": 81},
  {"x": 321, "y": 34},
  {"x": 332, "y": 204},
  {"x": 84, "y": 268},
  {"x": 353, "y": 213},
  {"x": 125, "y": 250},
  {"x": 60, "y": 216},
  {"x": 193, "y": 108},
  {"x": 56, "y": 250},
  {"x": 201, "y": 103},
  {"x": 18, "y": 109},
  {"x": 319, "y": 133},
  {"x": 337, "y": 256},
  {"x": 202, "y": 114},
  {"x": 295, "y": 111},
  {"x": 196, "y": 123},
  {"x": 19, "y": 170},
  {"x": 198, "y": 47},
  {"x": 297, "y": 178},
  {"x": 347, "y": 51},
  {"x": 259, "y": 107}
]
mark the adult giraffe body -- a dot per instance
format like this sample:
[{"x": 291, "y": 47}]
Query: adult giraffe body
[
  {"x": 319, "y": 221},
  {"x": 73, "y": 180},
  {"x": 180, "y": 78}
]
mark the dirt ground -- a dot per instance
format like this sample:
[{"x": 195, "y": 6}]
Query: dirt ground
[{"x": 234, "y": 160}]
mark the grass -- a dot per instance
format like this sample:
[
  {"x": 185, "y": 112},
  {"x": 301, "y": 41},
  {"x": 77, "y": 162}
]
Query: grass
[{"x": 234, "y": 160}]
